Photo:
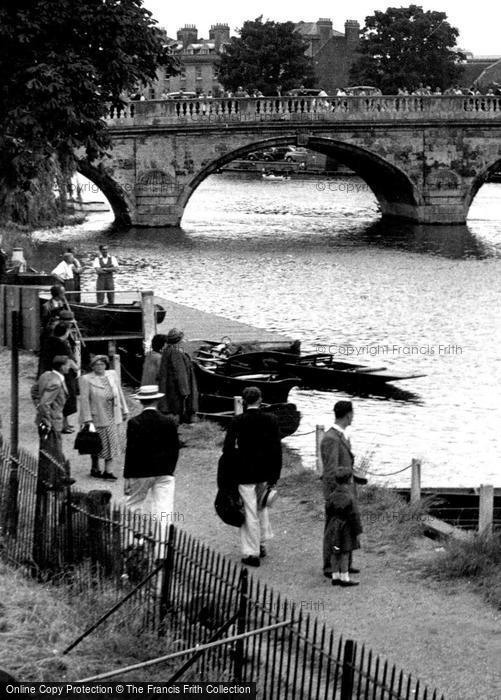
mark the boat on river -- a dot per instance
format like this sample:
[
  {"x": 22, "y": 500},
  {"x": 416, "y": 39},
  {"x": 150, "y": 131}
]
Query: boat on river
[
  {"x": 317, "y": 371},
  {"x": 214, "y": 376},
  {"x": 111, "y": 319},
  {"x": 220, "y": 409}
]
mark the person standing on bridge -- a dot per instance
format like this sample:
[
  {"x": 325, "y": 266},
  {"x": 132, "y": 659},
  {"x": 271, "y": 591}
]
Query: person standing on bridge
[{"x": 105, "y": 266}]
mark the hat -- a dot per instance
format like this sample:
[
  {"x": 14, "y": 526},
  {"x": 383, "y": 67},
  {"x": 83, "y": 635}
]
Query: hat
[
  {"x": 66, "y": 315},
  {"x": 148, "y": 392},
  {"x": 100, "y": 358},
  {"x": 174, "y": 336},
  {"x": 60, "y": 359}
]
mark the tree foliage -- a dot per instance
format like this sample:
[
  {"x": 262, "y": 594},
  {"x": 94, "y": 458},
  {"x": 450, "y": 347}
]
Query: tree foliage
[
  {"x": 405, "y": 46},
  {"x": 267, "y": 56},
  {"x": 61, "y": 63}
]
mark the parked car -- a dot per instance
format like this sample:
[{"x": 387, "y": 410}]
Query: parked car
[
  {"x": 357, "y": 90},
  {"x": 304, "y": 92},
  {"x": 296, "y": 154},
  {"x": 181, "y": 95}
]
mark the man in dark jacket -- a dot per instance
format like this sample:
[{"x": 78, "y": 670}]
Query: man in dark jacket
[
  {"x": 176, "y": 379},
  {"x": 252, "y": 460},
  {"x": 151, "y": 456},
  {"x": 335, "y": 450}
]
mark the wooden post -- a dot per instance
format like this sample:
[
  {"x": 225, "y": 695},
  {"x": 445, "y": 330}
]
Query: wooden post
[
  {"x": 319, "y": 434},
  {"x": 416, "y": 481},
  {"x": 241, "y": 625},
  {"x": 149, "y": 319},
  {"x": 11, "y": 512},
  {"x": 238, "y": 405},
  {"x": 485, "y": 509},
  {"x": 167, "y": 572},
  {"x": 348, "y": 672},
  {"x": 3, "y": 316},
  {"x": 115, "y": 359}
]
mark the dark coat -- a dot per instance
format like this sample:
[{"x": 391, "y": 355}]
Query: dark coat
[
  {"x": 343, "y": 521},
  {"x": 177, "y": 381},
  {"x": 152, "y": 445},
  {"x": 336, "y": 452},
  {"x": 252, "y": 452}
]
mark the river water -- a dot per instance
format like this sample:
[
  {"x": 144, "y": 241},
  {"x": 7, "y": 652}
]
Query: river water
[{"x": 311, "y": 259}]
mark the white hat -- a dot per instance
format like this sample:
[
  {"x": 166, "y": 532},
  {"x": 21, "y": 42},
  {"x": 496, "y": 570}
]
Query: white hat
[{"x": 148, "y": 392}]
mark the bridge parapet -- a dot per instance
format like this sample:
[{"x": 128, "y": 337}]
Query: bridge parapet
[{"x": 381, "y": 108}]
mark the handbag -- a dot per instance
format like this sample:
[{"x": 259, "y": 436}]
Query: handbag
[
  {"x": 87, "y": 442},
  {"x": 229, "y": 507}
]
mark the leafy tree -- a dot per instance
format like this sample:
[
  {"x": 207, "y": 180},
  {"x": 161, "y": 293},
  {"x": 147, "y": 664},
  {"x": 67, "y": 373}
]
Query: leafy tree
[
  {"x": 62, "y": 62},
  {"x": 406, "y": 46},
  {"x": 267, "y": 56}
]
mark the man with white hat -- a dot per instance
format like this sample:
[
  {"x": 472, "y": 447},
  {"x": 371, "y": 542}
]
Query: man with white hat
[{"x": 151, "y": 456}]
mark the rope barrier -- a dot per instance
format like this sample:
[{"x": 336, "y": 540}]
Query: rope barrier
[
  {"x": 310, "y": 432},
  {"x": 389, "y": 473}
]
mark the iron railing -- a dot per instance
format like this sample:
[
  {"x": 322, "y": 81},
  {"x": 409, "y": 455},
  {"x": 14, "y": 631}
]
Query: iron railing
[{"x": 195, "y": 594}]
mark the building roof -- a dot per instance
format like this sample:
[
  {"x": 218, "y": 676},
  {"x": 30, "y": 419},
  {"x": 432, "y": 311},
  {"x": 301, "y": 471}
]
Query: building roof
[{"x": 310, "y": 29}]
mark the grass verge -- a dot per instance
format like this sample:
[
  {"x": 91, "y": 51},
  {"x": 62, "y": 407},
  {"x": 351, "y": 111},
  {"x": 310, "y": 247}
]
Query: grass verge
[
  {"x": 38, "y": 621},
  {"x": 477, "y": 561}
]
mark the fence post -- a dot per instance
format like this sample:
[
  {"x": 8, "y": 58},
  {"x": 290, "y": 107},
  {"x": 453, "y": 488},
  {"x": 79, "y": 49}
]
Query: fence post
[
  {"x": 149, "y": 319},
  {"x": 348, "y": 670},
  {"x": 319, "y": 434},
  {"x": 11, "y": 511},
  {"x": 241, "y": 624},
  {"x": 167, "y": 572},
  {"x": 238, "y": 405},
  {"x": 485, "y": 509},
  {"x": 416, "y": 481}
]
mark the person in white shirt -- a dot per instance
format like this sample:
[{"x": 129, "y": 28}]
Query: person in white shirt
[
  {"x": 65, "y": 271},
  {"x": 104, "y": 266}
]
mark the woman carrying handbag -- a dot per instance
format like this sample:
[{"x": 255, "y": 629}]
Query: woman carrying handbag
[{"x": 103, "y": 405}]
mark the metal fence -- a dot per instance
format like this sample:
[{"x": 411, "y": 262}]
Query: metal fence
[{"x": 185, "y": 588}]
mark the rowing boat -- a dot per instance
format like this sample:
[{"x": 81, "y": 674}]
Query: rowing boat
[
  {"x": 213, "y": 380},
  {"x": 318, "y": 371},
  {"x": 220, "y": 409}
]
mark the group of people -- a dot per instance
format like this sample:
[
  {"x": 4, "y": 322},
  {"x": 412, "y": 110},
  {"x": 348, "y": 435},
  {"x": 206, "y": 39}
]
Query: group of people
[
  {"x": 251, "y": 460},
  {"x": 69, "y": 269},
  {"x": 453, "y": 90}
]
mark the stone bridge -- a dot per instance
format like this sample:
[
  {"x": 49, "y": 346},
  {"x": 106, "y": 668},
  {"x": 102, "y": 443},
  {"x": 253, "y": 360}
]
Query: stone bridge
[{"x": 424, "y": 157}]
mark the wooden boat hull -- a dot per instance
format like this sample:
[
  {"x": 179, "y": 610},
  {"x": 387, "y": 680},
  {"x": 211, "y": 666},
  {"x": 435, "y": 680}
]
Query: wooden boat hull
[
  {"x": 319, "y": 371},
  {"x": 273, "y": 390},
  {"x": 111, "y": 319},
  {"x": 220, "y": 410}
]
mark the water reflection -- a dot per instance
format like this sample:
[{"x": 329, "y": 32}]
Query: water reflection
[{"x": 457, "y": 241}]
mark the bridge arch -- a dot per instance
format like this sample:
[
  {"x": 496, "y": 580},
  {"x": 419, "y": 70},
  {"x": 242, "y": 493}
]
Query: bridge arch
[
  {"x": 480, "y": 179},
  {"x": 394, "y": 190},
  {"x": 121, "y": 204}
]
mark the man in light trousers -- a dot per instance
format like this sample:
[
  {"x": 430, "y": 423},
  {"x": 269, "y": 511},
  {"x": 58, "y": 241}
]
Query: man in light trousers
[
  {"x": 151, "y": 455},
  {"x": 252, "y": 454}
]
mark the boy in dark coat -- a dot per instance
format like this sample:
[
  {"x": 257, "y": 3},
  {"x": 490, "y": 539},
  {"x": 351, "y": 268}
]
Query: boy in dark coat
[{"x": 343, "y": 528}]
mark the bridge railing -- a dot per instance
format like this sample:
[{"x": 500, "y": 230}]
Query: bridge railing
[{"x": 297, "y": 109}]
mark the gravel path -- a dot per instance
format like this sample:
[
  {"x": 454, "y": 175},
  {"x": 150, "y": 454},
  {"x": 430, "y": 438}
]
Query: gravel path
[{"x": 446, "y": 636}]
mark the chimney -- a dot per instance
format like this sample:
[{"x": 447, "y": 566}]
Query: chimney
[
  {"x": 324, "y": 26},
  {"x": 352, "y": 32},
  {"x": 219, "y": 34},
  {"x": 187, "y": 34}
]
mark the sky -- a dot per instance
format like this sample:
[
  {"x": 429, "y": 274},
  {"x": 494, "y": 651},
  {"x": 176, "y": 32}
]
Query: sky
[{"x": 478, "y": 21}]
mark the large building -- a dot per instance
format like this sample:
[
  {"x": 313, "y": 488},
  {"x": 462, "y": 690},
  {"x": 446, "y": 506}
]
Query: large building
[
  {"x": 332, "y": 52},
  {"x": 199, "y": 60}
]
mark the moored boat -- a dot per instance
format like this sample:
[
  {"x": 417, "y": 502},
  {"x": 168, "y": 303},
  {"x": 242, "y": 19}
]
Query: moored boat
[
  {"x": 318, "y": 371},
  {"x": 111, "y": 319},
  {"x": 211, "y": 380},
  {"x": 220, "y": 409}
]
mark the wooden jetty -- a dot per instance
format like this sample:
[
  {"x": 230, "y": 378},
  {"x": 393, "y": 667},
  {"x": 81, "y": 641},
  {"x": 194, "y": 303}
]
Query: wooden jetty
[{"x": 197, "y": 325}]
